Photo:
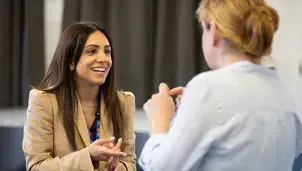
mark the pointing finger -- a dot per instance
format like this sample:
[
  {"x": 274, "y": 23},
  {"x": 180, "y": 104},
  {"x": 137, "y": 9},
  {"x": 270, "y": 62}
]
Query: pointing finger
[
  {"x": 163, "y": 88},
  {"x": 118, "y": 144}
]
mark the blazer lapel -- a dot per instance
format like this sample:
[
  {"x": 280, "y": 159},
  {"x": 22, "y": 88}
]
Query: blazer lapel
[
  {"x": 81, "y": 125},
  {"x": 105, "y": 132}
]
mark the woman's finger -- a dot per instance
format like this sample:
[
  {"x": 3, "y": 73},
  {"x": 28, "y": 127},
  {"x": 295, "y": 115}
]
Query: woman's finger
[
  {"x": 110, "y": 152},
  {"x": 111, "y": 145},
  {"x": 103, "y": 141},
  {"x": 163, "y": 89},
  {"x": 107, "y": 146},
  {"x": 114, "y": 162},
  {"x": 118, "y": 144},
  {"x": 176, "y": 90},
  {"x": 179, "y": 97}
]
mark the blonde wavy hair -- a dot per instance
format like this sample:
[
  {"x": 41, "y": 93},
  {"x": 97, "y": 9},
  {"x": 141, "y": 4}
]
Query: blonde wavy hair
[{"x": 247, "y": 26}]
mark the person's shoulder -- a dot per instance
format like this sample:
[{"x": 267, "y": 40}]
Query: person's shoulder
[
  {"x": 36, "y": 93},
  {"x": 127, "y": 100},
  {"x": 205, "y": 84},
  {"x": 41, "y": 100},
  {"x": 125, "y": 94},
  {"x": 210, "y": 78},
  {"x": 203, "y": 78},
  {"x": 212, "y": 74}
]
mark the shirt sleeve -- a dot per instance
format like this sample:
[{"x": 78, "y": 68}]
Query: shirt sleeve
[{"x": 181, "y": 148}]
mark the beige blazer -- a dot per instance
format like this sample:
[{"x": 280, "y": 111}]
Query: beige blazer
[{"x": 45, "y": 143}]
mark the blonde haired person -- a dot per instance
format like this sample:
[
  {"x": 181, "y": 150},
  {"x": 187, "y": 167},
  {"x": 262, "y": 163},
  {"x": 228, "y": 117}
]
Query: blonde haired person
[{"x": 238, "y": 117}]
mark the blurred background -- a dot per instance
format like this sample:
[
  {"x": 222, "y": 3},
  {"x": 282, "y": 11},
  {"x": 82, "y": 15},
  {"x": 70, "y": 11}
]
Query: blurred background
[{"x": 154, "y": 41}]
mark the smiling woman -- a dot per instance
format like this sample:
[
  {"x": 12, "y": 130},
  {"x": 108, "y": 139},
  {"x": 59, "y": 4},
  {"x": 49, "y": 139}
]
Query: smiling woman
[
  {"x": 90, "y": 66},
  {"x": 76, "y": 118}
]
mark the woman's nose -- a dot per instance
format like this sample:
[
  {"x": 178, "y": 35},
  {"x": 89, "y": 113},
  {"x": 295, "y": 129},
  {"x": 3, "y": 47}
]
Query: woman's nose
[{"x": 102, "y": 58}]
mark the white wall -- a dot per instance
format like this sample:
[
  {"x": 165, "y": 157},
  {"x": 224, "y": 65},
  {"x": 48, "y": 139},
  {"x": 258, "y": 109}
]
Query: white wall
[
  {"x": 53, "y": 18},
  {"x": 287, "y": 47}
]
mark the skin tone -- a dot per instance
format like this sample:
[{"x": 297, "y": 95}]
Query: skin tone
[
  {"x": 91, "y": 72},
  {"x": 160, "y": 109}
]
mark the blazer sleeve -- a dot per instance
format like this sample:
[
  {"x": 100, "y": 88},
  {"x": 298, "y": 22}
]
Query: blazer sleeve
[
  {"x": 128, "y": 145},
  {"x": 38, "y": 139}
]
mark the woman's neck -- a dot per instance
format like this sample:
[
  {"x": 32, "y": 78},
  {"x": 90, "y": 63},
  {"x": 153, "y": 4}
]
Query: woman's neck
[
  {"x": 87, "y": 93},
  {"x": 231, "y": 59}
]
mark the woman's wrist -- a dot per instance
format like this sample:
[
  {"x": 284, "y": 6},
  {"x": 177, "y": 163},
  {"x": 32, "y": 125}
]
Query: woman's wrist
[
  {"x": 160, "y": 126},
  {"x": 89, "y": 151}
]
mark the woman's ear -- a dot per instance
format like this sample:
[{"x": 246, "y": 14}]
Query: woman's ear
[
  {"x": 214, "y": 33},
  {"x": 71, "y": 66}
]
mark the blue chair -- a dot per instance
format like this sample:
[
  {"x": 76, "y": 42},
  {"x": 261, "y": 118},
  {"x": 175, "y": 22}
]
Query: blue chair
[
  {"x": 298, "y": 163},
  {"x": 11, "y": 154},
  {"x": 141, "y": 139}
]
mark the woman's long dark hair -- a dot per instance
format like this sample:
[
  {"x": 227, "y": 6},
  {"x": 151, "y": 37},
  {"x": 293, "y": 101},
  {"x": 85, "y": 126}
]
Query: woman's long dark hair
[{"x": 59, "y": 80}]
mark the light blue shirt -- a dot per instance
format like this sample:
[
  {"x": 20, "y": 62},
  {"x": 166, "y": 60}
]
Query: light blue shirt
[{"x": 238, "y": 118}]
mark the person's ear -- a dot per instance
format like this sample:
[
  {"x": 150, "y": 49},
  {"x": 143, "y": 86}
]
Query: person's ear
[
  {"x": 72, "y": 66},
  {"x": 214, "y": 33}
]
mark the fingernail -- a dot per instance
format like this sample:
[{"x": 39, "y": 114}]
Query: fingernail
[
  {"x": 124, "y": 154},
  {"x": 112, "y": 138}
]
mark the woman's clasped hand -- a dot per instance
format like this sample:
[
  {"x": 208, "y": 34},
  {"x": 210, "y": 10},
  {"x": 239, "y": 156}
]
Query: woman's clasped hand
[{"x": 106, "y": 150}]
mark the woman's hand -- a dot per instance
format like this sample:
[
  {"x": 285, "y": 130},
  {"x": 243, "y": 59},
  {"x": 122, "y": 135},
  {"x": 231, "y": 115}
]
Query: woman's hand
[
  {"x": 160, "y": 110},
  {"x": 177, "y": 91},
  {"x": 99, "y": 150},
  {"x": 113, "y": 163}
]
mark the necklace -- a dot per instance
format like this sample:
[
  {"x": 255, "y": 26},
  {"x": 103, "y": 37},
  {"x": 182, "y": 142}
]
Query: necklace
[{"x": 89, "y": 106}]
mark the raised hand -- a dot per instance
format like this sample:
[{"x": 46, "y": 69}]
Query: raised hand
[
  {"x": 99, "y": 150},
  {"x": 160, "y": 109},
  {"x": 177, "y": 91}
]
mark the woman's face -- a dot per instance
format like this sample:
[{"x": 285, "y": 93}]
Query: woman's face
[{"x": 95, "y": 61}]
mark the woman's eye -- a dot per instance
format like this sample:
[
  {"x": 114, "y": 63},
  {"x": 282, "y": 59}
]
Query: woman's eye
[
  {"x": 107, "y": 52},
  {"x": 91, "y": 51}
]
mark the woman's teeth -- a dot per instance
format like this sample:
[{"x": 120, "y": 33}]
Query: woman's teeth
[{"x": 99, "y": 69}]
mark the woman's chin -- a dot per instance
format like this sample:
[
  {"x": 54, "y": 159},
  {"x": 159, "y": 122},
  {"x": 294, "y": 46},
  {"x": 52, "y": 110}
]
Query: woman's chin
[{"x": 98, "y": 82}]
